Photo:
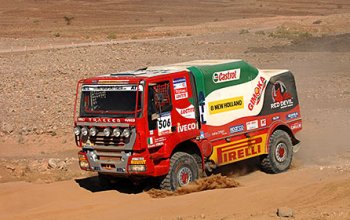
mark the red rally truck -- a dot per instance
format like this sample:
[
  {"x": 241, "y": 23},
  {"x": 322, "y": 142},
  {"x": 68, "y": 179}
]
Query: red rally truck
[{"x": 177, "y": 122}]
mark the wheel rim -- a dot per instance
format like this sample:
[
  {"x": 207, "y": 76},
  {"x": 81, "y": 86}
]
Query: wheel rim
[
  {"x": 281, "y": 152},
  {"x": 184, "y": 176}
]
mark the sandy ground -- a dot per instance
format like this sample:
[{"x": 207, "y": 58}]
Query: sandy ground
[{"x": 37, "y": 86}]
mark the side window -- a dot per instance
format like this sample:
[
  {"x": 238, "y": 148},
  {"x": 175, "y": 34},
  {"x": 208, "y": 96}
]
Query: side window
[{"x": 159, "y": 101}]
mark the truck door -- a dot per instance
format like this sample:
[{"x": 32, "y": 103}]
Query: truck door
[
  {"x": 171, "y": 111},
  {"x": 160, "y": 110}
]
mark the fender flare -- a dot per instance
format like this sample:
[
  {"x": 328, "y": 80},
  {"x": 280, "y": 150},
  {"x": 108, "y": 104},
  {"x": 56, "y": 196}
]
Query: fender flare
[{"x": 280, "y": 125}]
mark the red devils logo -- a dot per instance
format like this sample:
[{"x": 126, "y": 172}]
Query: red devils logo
[{"x": 279, "y": 92}]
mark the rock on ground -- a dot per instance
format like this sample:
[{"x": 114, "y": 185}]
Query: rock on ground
[{"x": 285, "y": 212}]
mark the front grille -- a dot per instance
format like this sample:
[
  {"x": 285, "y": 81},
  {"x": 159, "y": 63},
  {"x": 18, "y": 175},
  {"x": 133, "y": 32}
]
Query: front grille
[
  {"x": 107, "y": 141},
  {"x": 110, "y": 159},
  {"x": 107, "y": 156}
]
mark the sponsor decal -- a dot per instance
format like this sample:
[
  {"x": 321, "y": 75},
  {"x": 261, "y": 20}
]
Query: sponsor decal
[
  {"x": 263, "y": 122},
  {"x": 187, "y": 112},
  {"x": 295, "y": 126},
  {"x": 150, "y": 140},
  {"x": 186, "y": 127},
  {"x": 274, "y": 118},
  {"x": 258, "y": 91},
  {"x": 155, "y": 142},
  {"x": 180, "y": 88},
  {"x": 221, "y": 132},
  {"x": 226, "y": 76},
  {"x": 202, "y": 112},
  {"x": 202, "y": 135},
  {"x": 236, "y": 129},
  {"x": 280, "y": 96},
  {"x": 107, "y": 81},
  {"x": 111, "y": 88},
  {"x": 282, "y": 104},
  {"x": 181, "y": 94},
  {"x": 160, "y": 139},
  {"x": 106, "y": 120},
  {"x": 226, "y": 105},
  {"x": 138, "y": 160},
  {"x": 243, "y": 149},
  {"x": 252, "y": 125},
  {"x": 164, "y": 124},
  {"x": 180, "y": 83},
  {"x": 292, "y": 115}
]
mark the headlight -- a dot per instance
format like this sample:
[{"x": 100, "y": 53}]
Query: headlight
[
  {"x": 83, "y": 162},
  {"x": 77, "y": 131},
  {"x": 126, "y": 133},
  {"x": 93, "y": 131},
  {"x": 116, "y": 132},
  {"x": 84, "y": 131},
  {"x": 107, "y": 132}
]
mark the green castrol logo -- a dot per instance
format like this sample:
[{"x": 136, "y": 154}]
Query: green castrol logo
[{"x": 226, "y": 76}]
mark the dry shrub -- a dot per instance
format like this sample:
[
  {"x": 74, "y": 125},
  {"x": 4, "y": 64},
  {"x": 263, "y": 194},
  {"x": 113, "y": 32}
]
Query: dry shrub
[{"x": 290, "y": 34}]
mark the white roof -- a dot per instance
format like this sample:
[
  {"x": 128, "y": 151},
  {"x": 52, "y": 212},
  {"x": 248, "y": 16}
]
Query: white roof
[
  {"x": 177, "y": 67},
  {"x": 185, "y": 65}
]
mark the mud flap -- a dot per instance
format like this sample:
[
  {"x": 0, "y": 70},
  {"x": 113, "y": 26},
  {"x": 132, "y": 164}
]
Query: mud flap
[{"x": 296, "y": 148}]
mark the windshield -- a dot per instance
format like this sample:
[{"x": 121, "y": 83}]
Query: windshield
[{"x": 110, "y": 101}]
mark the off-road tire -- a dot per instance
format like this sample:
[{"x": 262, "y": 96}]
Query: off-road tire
[
  {"x": 201, "y": 171},
  {"x": 280, "y": 153},
  {"x": 183, "y": 169}
]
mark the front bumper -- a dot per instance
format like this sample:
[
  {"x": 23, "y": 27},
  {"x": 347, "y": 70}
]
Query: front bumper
[{"x": 116, "y": 163}]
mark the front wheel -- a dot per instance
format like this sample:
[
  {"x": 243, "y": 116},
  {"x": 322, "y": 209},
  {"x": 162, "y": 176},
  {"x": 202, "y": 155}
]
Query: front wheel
[
  {"x": 280, "y": 153},
  {"x": 183, "y": 170}
]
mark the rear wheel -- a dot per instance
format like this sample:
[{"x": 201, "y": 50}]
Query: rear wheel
[
  {"x": 280, "y": 153},
  {"x": 183, "y": 170}
]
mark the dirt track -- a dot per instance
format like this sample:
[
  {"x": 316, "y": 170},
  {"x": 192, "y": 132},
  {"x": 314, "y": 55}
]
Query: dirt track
[
  {"x": 37, "y": 92},
  {"x": 309, "y": 191}
]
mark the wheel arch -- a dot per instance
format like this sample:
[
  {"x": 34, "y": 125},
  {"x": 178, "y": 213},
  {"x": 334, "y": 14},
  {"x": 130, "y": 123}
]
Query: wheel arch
[
  {"x": 283, "y": 127},
  {"x": 191, "y": 148}
]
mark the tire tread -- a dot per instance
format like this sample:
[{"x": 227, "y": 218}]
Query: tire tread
[
  {"x": 166, "y": 181},
  {"x": 266, "y": 163}
]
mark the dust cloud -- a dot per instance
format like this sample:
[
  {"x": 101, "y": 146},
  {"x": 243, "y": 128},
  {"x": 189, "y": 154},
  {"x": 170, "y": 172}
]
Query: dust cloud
[{"x": 208, "y": 183}]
